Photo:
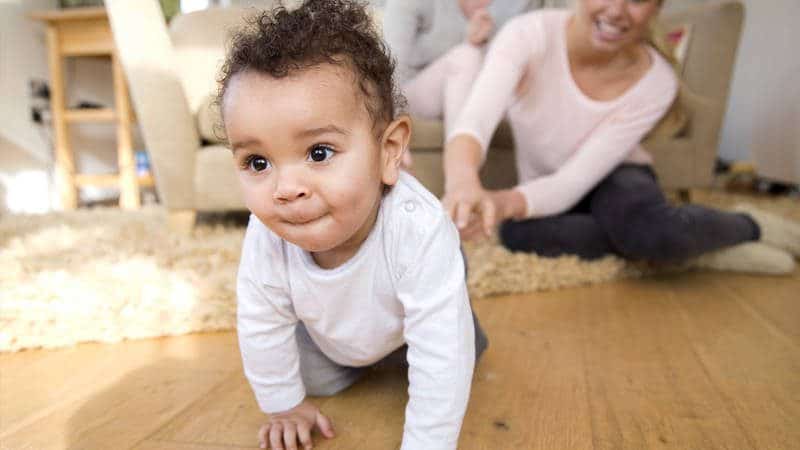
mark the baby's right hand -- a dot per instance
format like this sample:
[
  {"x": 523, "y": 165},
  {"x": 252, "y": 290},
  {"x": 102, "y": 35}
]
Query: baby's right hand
[{"x": 284, "y": 430}]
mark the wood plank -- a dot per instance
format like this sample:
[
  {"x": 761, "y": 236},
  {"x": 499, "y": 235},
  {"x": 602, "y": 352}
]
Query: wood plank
[
  {"x": 778, "y": 305},
  {"x": 90, "y": 115},
  {"x": 646, "y": 386},
  {"x": 88, "y": 37},
  {"x": 531, "y": 380},
  {"x": 52, "y": 15},
  {"x": 168, "y": 445},
  {"x": 105, "y": 180},
  {"x": 368, "y": 415},
  {"x": 128, "y": 182},
  {"x": 92, "y": 395},
  {"x": 754, "y": 371},
  {"x": 65, "y": 164},
  {"x": 706, "y": 360}
]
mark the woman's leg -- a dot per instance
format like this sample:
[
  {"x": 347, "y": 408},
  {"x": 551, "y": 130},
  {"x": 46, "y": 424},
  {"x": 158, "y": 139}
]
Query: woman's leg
[
  {"x": 573, "y": 233},
  {"x": 565, "y": 234},
  {"x": 440, "y": 90},
  {"x": 641, "y": 224}
]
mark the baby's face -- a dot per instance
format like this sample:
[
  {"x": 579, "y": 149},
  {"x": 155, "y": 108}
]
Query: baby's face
[{"x": 309, "y": 164}]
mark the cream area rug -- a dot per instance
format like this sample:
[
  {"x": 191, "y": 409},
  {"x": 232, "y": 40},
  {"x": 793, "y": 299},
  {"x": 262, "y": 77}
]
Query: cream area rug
[{"x": 107, "y": 275}]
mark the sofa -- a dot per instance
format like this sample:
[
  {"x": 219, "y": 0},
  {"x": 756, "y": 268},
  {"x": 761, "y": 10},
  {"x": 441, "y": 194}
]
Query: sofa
[{"x": 171, "y": 70}]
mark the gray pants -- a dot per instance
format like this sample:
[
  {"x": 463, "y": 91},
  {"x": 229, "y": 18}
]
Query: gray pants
[
  {"x": 323, "y": 377},
  {"x": 627, "y": 214}
]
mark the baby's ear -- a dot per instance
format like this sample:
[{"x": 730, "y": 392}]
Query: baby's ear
[{"x": 394, "y": 142}]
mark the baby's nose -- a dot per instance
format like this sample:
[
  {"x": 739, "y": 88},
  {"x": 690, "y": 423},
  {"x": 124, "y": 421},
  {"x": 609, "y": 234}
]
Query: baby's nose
[{"x": 290, "y": 188}]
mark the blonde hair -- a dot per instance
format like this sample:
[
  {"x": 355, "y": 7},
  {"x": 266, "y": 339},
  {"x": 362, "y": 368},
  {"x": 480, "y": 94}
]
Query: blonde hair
[{"x": 675, "y": 119}]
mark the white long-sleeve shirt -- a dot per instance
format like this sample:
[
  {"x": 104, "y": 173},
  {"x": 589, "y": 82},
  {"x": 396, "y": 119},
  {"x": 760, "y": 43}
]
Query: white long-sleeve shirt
[
  {"x": 405, "y": 284},
  {"x": 566, "y": 142}
]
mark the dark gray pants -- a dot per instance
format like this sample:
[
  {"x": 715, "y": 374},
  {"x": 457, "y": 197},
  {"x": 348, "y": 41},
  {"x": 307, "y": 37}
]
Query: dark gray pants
[{"x": 627, "y": 214}]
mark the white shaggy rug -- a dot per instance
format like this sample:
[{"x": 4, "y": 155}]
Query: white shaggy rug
[{"x": 106, "y": 275}]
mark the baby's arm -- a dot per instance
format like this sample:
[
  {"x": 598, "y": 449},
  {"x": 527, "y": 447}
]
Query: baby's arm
[
  {"x": 266, "y": 328},
  {"x": 439, "y": 331}
]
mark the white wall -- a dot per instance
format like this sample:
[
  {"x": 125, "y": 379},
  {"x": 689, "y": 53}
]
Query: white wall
[
  {"x": 23, "y": 56},
  {"x": 765, "y": 93}
]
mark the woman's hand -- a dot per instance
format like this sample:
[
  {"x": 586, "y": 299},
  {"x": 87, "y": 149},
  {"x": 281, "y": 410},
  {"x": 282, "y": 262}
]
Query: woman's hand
[
  {"x": 471, "y": 208},
  {"x": 508, "y": 204},
  {"x": 284, "y": 430},
  {"x": 479, "y": 28},
  {"x": 477, "y": 211}
]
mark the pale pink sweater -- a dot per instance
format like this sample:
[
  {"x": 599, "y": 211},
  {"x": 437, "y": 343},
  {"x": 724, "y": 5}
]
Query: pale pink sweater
[{"x": 566, "y": 143}]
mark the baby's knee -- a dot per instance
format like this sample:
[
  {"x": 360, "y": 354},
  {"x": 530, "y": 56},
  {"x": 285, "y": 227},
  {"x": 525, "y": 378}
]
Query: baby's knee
[
  {"x": 326, "y": 384},
  {"x": 317, "y": 389}
]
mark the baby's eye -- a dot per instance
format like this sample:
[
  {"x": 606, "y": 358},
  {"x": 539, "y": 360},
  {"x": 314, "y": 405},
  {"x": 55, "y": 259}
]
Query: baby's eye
[
  {"x": 320, "y": 153},
  {"x": 257, "y": 163}
]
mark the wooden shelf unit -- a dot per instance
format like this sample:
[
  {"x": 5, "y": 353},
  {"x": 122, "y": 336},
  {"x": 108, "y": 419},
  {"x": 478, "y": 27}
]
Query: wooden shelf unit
[{"x": 78, "y": 32}]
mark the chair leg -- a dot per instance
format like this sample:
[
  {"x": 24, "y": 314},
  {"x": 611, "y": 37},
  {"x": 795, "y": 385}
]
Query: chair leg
[
  {"x": 181, "y": 220},
  {"x": 685, "y": 195}
]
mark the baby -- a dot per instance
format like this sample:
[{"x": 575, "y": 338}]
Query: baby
[{"x": 347, "y": 260}]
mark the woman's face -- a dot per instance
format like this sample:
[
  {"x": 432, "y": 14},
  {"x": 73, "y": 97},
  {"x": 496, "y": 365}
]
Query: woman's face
[
  {"x": 468, "y": 7},
  {"x": 616, "y": 24}
]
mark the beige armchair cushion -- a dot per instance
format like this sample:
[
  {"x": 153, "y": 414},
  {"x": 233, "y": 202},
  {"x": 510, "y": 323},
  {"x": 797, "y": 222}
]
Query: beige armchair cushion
[
  {"x": 215, "y": 182},
  {"x": 209, "y": 121}
]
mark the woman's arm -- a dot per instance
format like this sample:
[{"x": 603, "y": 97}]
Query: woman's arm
[{"x": 514, "y": 48}]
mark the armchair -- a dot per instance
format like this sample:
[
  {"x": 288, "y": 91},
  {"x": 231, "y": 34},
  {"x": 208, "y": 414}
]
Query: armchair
[{"x": 171, "y": 71}]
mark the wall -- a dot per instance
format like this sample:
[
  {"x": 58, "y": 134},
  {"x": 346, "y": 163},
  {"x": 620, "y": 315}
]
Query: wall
[
  {"x": 23, "y": 56},
  {"x": 763, "y": 114}
]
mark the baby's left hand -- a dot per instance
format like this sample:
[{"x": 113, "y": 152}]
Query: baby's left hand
[{"x": 284, "y": 430}]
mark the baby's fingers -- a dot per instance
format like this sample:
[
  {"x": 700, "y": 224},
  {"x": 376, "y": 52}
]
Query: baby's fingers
[
  {"x": 304, "y": 435},
  {"x": 276, "y": 436},
  {"x": 325, "y": 426},
  {"x": 262, "y": 436},
  {"x": 290, "y": 435}
]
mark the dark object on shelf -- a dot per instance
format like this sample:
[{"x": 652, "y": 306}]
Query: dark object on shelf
[
  {"x": 85, "y": 104},
  {"x": 79, "y": 3}
]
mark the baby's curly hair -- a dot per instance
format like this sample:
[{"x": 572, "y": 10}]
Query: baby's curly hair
[{"x": 280, "y": 42}]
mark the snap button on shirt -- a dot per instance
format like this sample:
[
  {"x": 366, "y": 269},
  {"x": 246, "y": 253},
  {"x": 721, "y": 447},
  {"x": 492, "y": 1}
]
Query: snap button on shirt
[{"x": 409, "y": 206}]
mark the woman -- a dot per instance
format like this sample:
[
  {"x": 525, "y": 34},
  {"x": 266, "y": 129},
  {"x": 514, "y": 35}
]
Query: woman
[
  {"x": 581, "y": 89},
  {"x": 438, "y": 46}
]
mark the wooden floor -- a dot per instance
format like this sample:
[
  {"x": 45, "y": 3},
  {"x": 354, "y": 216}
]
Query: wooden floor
[{"x": 689, "y": 361}]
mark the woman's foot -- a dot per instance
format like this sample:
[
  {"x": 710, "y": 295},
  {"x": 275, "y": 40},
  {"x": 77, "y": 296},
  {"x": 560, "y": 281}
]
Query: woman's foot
[
  {"x": 750, "y": 257},
  {"x": 775, "y": 230}
]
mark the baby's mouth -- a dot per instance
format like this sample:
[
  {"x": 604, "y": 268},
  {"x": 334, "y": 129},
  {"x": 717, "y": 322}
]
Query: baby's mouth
[{"x": 299, "y": 219}]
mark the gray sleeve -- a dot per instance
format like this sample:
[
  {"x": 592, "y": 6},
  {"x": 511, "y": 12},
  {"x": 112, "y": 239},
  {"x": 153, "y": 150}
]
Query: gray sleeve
[{"x": 400, "y": 29}]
